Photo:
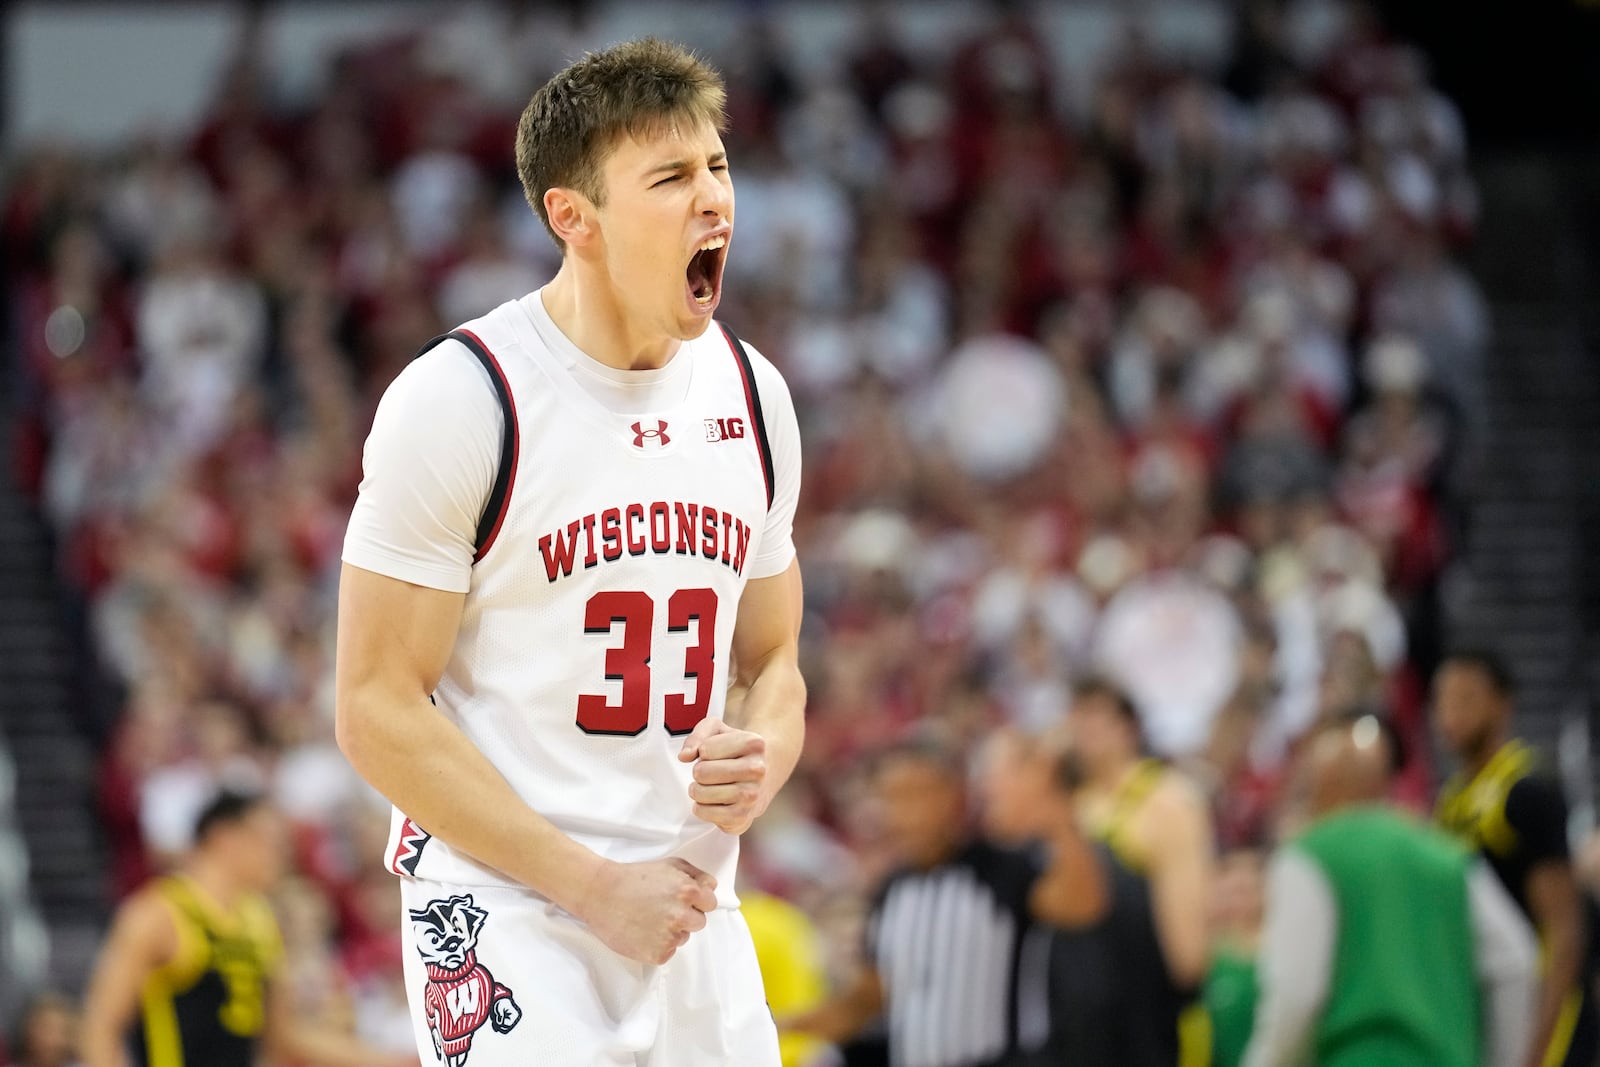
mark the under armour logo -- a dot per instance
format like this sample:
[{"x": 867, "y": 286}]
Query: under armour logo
[{"x": 658, "y": 434}]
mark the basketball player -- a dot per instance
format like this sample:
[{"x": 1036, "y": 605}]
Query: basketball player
[
  {"x": 1157, "y": 831},
  {"x": 1504, "y": 805},
  {"x": 194, "y": 958},
  {"x": 569, "y": 610}
]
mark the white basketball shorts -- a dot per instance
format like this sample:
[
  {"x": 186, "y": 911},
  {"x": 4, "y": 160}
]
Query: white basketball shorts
[{"x": 500, "y": 977}]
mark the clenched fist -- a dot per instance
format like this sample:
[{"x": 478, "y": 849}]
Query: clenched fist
[
  {"x": 646, "y": 911},
  {"x": 730, "y": 774}
]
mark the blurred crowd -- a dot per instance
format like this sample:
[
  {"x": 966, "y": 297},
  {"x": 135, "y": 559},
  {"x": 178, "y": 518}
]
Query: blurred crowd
[{"x": 1167, "y": 374}]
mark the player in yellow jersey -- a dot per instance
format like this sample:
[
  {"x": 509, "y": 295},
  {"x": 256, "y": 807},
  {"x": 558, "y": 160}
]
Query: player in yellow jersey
[
  {"x": 1157, "y": 830},
  {"x": 186, "y": 976},
  {"x": 1512, "y": 810},
  {"x": 789, "y": 954}
]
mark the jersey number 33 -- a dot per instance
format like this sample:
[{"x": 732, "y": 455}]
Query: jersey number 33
[{"x": 628, "y": 659}]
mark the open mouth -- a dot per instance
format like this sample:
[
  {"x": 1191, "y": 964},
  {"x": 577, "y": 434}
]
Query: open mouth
[{"x": 704, "y": 273}]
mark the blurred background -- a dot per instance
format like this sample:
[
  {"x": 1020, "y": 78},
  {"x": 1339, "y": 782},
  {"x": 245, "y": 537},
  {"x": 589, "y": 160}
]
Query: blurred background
[{"x": 1244, "y": 352}]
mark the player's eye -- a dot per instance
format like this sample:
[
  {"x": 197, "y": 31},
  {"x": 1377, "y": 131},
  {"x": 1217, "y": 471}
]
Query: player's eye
[
  {"x": 666, "y": 181},
  {"x": 719, "y": 166}
]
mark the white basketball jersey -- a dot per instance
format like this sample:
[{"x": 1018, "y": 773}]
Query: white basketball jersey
[{"x": 598, "y": 622}]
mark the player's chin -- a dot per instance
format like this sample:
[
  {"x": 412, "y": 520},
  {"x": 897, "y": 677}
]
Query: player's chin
[{"x": 696, "y": 311}]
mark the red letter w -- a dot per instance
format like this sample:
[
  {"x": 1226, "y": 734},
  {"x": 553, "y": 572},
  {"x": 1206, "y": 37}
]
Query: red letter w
[{"x": 561, "y": 559}]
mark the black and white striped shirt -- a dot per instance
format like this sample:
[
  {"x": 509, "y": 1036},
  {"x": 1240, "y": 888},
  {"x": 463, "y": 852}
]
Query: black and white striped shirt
[{"x": 944, "y": 942}]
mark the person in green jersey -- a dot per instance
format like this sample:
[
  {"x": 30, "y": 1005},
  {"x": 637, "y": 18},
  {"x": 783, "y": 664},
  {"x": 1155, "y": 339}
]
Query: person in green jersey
[
  {"x": 1386, "y": 943},
  {"x": 189, "y": 974}
]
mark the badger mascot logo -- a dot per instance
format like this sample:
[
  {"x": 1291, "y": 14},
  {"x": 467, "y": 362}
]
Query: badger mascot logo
[{"x": 461, "y": 994}]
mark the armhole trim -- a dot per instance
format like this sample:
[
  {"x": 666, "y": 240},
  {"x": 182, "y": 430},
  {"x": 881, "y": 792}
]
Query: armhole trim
[
  {"x": 752, "y": 399},
  {"x": 499, "y": 500}
]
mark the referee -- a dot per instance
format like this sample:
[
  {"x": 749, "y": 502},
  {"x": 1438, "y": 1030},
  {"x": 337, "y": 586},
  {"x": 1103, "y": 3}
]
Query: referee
[{"x": 942, "y": 941}]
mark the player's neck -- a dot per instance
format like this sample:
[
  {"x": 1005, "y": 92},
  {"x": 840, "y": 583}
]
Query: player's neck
[
  {"x": 588, "y": 310},
  {"x": 214, "y": 880},
  {"x": 1110, "y": 776},
  {"x": 1475, "y": 761}
]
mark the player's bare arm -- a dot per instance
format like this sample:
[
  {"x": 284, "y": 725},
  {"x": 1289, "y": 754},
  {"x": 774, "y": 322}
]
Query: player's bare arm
[
  {"x": 394, "y": 641},
  {"x": 743, "y": 760},
  {"x": 843, "y": 1016},
  {"x": 1072, "y": 891},
  {"x": 143, "y": 939},
  {"x": 1174, "y": 836},
  {"x": 1557, "y": 907}
]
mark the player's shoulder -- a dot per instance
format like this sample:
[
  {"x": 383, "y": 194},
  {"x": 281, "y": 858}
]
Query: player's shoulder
[
  {"x": 255, "y": 911},
  {"x": 1535, "y": 795},
  {"x": 1176, "y": 787},
  {"x": 501, "y": 327},
  {"x": 1175, "y": 804},
  {"x": 155, "y": 899},
  {"x": 444, "y": 379},
  {"x": 149, "y": 918}
]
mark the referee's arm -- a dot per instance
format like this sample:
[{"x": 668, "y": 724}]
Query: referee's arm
[
  {"x": 1072, "y": 892},
  {"x": 843, "y": 1015}
]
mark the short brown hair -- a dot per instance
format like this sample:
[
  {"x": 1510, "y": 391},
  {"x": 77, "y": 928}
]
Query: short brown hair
[
  {"x": 575, "y": 118},
  {"x": 1102, "y": 687}
]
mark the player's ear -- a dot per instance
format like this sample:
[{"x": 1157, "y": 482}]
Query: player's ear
[{"x": 571, "y": 215}]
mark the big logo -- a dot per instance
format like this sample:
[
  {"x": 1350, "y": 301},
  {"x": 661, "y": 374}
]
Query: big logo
[{"x": 461, "y": 994}]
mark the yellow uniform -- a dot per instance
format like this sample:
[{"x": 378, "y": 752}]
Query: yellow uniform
[
  {"x": 791, "y": 967},
  {"x": 207, "y": 1006},
  {"x": 1158, "y": 1023},
  {"x": 1516, "y": 817}
]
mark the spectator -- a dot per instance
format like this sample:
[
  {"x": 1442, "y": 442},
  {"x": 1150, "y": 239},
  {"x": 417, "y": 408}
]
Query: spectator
[
  {"x": 1173, "y": 643},
  {"x": 201, "y": 330},
  {"x": 47, "y": 1035},
  {"x": 1433, "y": 300},
  {"x": 174, "y": 795},
  {"x": 1382, "y": 942},
  {"x": 488, "y": 274}
]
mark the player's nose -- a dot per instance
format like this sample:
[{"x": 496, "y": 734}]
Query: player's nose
[{"x": 713, "y": 196}]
